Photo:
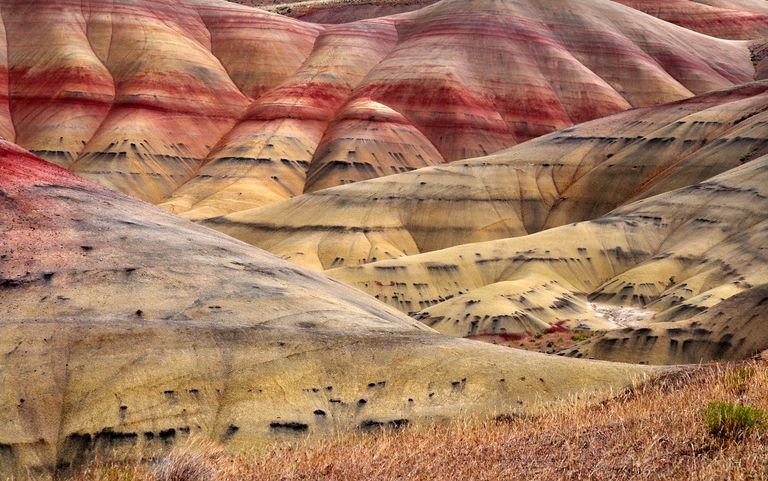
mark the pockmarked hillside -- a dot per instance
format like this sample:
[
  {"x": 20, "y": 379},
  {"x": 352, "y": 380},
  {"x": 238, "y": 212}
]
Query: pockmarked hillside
[
  {"x": 125, "y": 330},
  {"x": 674, "y": 255},
  {"x": 735, "y": 328},
  {"x": 572, "y": 175},
  {"x": 655, "y": 432},
  {"x": 209, "y": 107}
]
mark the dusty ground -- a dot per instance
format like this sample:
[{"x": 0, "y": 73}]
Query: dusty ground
[{"x": 622, "y": 316}]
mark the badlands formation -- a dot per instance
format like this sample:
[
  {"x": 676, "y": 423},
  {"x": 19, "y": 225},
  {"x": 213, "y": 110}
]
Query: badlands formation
[
  {"x": 126, "y": 328},
  {"x": 677, "y": 254},
  {"x": 208, "y": 107},
  {"x": 419, "y": 172},
  {"x": 734, "y": 19},
  {"x": 571, "y": 175}
]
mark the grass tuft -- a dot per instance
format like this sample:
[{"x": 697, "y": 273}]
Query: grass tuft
[{"x": 733, "y": 421}]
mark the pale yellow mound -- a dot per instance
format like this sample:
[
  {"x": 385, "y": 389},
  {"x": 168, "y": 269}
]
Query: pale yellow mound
[
  {"x": 125, "y": 329},
  {"x": 676, "y": 254}
]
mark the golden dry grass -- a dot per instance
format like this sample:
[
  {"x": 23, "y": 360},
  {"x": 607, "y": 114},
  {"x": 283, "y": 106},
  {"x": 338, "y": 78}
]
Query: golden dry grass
[{"x": 656, "y": 431}]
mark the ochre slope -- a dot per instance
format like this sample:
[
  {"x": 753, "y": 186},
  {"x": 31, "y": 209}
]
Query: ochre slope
[
  {"x": 126, "y": 330},
  {"x": 675, "y": 254},
  {"x": 160, "y": 99},
  {"x": 571, "y": 175}
]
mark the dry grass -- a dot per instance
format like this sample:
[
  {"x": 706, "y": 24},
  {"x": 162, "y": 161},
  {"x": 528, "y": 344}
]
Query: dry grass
[{"x": 655, "y": 432}]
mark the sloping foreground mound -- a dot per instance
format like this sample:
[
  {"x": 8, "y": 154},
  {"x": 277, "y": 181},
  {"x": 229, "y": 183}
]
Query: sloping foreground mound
[
  {"x": 657, "y": 432},
  {"x": 676, "y": 254},
  {"x": 210, "y": 107},
  {"x": 125, "y": 330},
  {"x": 571, "y": 175},
  {"x": 733, "y": 329}
]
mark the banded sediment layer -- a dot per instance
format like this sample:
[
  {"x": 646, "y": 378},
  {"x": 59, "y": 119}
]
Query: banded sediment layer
[
  {"x": 735, "y": 19},
  {"x": 209, "y": 107},
  {"x": 572, "y": 175}
]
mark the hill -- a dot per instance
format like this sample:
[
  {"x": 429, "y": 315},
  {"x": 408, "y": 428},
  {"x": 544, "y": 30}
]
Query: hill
[
  {"x": 733, "y": 329},
  {"x": 674, "y": 255},
  {"x": 126, "y": 330},
  {"x": 733, "y": 19},
  {"x": 572, "y": 175},
  {"x": 162, "y": 99},
  {"x": 658, "y": 431},
  {"x": 736, "y": 19}
]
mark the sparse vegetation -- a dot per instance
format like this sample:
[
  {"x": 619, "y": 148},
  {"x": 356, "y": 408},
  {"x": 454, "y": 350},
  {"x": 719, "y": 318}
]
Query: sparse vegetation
[
  {"x": 731, "y": 420},
  {"x": 581, "y": 336},
  {"x": 551, "y": 341},
  {"x": 658, "y": 431}
]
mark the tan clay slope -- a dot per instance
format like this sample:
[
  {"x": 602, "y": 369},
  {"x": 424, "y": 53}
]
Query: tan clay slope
[
  {"x": 571, "y": 175},
  {"x": 736, "y": 328},
  {"x": 125, "y": 328},
  {"x": 676, "y": 254},
  {"x": 148, "y": 96}
]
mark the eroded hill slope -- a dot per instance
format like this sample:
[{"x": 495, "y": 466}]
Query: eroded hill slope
[
  {"x": 208, "y": 106},
  {"x": 676, "y": 254},
  {"x": 126, "y": 330},
  {"x": 571, "y": 175}
]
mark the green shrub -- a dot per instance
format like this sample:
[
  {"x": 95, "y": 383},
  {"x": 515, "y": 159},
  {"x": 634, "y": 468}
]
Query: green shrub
[{"x": 733, "y": 421}]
